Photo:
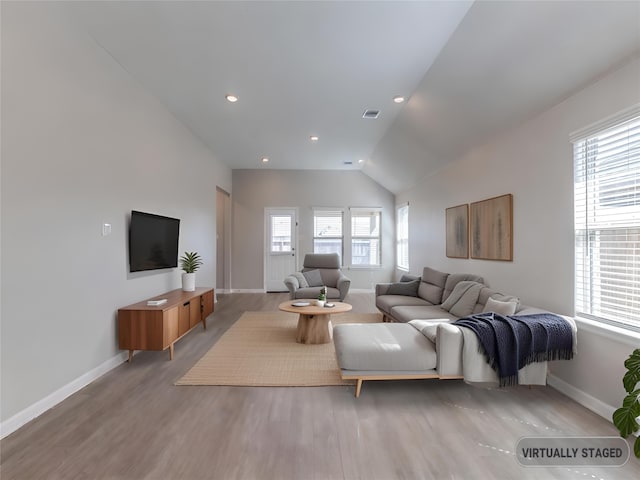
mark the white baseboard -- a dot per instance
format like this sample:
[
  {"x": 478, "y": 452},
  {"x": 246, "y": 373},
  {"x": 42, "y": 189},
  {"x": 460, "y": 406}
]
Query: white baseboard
[
  {"x": 584, "y": 399},
  {"x": 21, "y": 418},
  {"x": 361, "y": 290},
  {"x": 248, "y": 290}
]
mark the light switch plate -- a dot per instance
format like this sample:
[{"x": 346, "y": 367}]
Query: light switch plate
[{"x": 106, "y": 229}]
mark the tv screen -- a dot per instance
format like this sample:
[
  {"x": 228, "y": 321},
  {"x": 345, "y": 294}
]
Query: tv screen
[{"x": 153, "y": 241}]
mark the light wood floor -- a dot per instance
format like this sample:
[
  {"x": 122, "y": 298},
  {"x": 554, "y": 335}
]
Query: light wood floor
[{"x": 133, "y": 423}]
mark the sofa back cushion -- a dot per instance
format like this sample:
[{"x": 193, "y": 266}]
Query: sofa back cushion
[
  {"x": 432, "y": 285},
  {"x": 454, "y": 278}
]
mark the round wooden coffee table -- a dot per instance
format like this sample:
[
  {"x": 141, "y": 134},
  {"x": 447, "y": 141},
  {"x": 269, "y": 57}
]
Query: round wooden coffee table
[{"x": 314, "y": 323}]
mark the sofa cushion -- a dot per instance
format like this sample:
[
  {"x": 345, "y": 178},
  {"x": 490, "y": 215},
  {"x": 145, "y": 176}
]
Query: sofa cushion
[
  {"x": 429, "y": 328},
  {"x": 330, "y": 276},
  {"x": 422, "y": 312},
  {"x": 385, "y": 347},
  {"x": 314, "y": 278},
  {"x": 432, "y": 285},
  {"x": 314, "y": 292},
  {"x": 463, "y": 298},
  {"x": 387, "y": 302},
  {"x": 487, "y": 293},
  {"x": 404, "y": 288},
  {"x": 302, "y": 280},
  {"x": 454, "y": 278},
  {"x": 503, "y": 308}
]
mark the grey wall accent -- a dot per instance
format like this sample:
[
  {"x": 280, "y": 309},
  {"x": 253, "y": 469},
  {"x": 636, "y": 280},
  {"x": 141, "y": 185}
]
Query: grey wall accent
[
  {"x": 534, "y": 162},
  {"x": 253, "y": 190},
  {"x": 83, "y": 145}
]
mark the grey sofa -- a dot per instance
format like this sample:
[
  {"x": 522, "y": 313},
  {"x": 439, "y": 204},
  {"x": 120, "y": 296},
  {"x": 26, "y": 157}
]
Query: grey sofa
[
  {"x": 319, "y": 269},
  {"x": 422, "y": 342}
]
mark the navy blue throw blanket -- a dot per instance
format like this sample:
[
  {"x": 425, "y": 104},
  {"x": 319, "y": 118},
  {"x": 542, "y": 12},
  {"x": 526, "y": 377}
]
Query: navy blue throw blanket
[{"x": 512, "y": 342}]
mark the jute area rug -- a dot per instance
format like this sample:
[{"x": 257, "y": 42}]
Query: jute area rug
[{"x": 260, "y": 349}]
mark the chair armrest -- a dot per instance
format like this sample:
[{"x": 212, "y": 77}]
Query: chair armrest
[
  {"x": 292, "y": 284},
  {"x": 343, "y": 285},
  {"x": 382, "y": 288},
  {"x": 449, "y": 341}
]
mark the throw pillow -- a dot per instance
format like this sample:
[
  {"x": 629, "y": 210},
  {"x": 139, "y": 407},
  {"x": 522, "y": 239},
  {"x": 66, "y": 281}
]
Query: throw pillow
[
  {"x": 409, "y": 289},
  {"x": 314, "y": 279},
  {"x": 463, "y": 298},
  {"x": 302, "y": 281},
  {"x": 503, "y": 308},
  {"x": 408, "y": 278}
]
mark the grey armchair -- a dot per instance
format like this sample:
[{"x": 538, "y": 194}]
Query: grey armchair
[{"x": 307, "y": 284}]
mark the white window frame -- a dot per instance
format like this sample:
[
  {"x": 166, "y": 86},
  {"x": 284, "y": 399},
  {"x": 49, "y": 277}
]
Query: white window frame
[
  {"x": 607, "y": 220},
  {"x": 402, "y": 237},
  {"x": 359, "y": 212},
  {"x": 329, "y": 212}
]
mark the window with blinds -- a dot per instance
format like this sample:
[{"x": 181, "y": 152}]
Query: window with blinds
[
  {"x": 365, "y": 237},
  {"x": 327, "y": 231},
  {"x": 607, "y": 221},
  {"x": 402, "y": 237},
  {"x": 280, "y": 234}
]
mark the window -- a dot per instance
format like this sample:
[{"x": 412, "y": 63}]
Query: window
[
  {"x": 607, "y": 220},
  {"x": 402, "y": 237},
  {"x": 365, "y": 237},
  {"x": 327, "y": 231},
  {"x": 280, "y": 238}
]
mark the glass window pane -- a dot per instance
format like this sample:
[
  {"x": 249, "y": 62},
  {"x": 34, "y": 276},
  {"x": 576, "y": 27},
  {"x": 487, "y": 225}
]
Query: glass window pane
[{"x": 280, "y": 233}]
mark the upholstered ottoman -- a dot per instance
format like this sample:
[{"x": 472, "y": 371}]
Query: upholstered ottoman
[{"x": 383, "y": 351}]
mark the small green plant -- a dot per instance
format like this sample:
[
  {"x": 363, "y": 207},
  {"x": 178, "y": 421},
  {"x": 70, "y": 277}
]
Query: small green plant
[
  {"x": 323, "y": 294},
  {"x": 190, "y": 262},
  {"x": 625, "y": 418}
]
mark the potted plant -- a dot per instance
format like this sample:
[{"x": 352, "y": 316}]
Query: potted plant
[
  {"x": 190, "y": 262},
  {"x": 626, "y": 417},
  {"x": 322, "y": 298}
]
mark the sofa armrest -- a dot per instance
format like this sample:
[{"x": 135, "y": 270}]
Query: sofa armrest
[
  {"x": 382, "y": 288},
  {"x": 449, "y": 342},
  {"x": 292, "y": 284},
  {"x": 343, "y": 285}
]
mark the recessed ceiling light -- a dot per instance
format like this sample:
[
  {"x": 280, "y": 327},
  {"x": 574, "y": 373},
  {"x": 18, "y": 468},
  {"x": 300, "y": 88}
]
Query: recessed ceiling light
[
  {"x": 398, "y": 99},
  {"x": 231, "y": 98},
  {"x": 361, "y": 161},
  {"x": 314, "y": 138},
  {"x": 265, "y": 160}
]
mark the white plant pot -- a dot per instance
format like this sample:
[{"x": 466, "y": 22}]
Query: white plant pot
[{"x": 188, "y": 282}]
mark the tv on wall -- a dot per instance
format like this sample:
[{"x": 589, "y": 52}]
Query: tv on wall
[{"x": 153, "y": 241}]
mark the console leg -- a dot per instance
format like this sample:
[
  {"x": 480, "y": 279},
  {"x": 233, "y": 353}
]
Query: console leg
[
  {"x": 171, "y": 352},
  {"x": 130, "y": 355},
  {"x": 358, "y": 387}
]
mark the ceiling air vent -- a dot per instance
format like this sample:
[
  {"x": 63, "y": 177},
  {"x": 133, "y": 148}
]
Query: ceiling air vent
[
  {"x": 348, "y": 162},
  {"x": 371, "y": 114}
]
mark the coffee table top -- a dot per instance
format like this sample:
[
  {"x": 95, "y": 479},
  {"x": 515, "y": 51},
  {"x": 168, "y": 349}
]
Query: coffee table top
[{"x": 339, "y": 307}]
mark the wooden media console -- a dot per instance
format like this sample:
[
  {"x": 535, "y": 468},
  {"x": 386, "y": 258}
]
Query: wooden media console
[{"x": 147, "y": 327}]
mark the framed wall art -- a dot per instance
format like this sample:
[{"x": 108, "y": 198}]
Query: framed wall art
[
  {"x": 457, "y": 231},
  {"x": 491, "y": 223}
]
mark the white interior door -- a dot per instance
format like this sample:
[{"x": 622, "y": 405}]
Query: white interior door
[{"x": 280, "y": 247}]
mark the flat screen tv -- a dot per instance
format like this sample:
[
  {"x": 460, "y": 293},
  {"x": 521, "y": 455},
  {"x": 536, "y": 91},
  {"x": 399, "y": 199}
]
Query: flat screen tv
[{"x": 153, "y": 241}]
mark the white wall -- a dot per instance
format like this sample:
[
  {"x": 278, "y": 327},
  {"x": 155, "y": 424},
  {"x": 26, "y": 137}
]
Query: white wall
[
  {"x": 83, "y": 145},
  {"x": 533, "y": 162},
  {"x": 253, "y": 190}
]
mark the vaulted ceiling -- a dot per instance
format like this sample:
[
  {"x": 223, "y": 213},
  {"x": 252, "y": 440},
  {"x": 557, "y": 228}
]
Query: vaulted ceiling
[{"x": 311, "y": 68}]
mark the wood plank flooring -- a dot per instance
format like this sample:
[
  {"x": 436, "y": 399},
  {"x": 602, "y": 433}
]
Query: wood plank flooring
[{"x": 133, "y": 423}]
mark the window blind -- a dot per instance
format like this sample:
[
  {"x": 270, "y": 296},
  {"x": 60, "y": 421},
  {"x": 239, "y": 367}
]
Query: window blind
[
  {"x": 327, "y": 231},
  {"x": 365, "y": 236},
  {"x": 607, "y": 223},
  {"x": 402, "y": 237}
]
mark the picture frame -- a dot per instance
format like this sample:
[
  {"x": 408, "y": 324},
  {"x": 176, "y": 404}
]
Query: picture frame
[
  {"x": 491, "y": 228},
  {"x": 457, "y": 231}
]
